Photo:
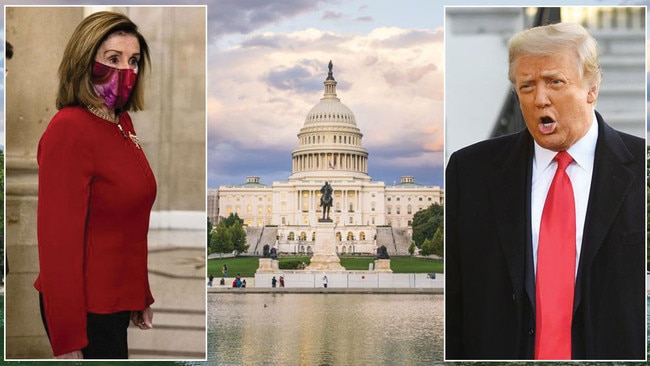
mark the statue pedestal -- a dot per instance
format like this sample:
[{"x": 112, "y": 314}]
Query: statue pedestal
[
  {"x": 275, "y": 265},
  {"x": 325, "y": 257},
  {"x": 383, "y": 266},
  {"x": 268, "y": 265}
]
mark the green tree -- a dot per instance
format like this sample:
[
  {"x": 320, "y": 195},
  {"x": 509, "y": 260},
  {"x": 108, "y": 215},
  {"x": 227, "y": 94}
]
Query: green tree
[
  {"x": 221, "y": 239},
  {"x": 437, "y": 243},
  {"x": 232, "y": 219},
  {"x": 228, "y": 236},
  {"x": 412, "y": 248},
  {"x": 238, "y": 237},
  {"x": 426, "y": 222},
  {"x": 427, "y": 247},
  {"x": 209, "y": 236}
]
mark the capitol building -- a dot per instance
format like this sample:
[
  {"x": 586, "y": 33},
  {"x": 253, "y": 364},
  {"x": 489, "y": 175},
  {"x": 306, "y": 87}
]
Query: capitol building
[{"x": 329, "y": 148}]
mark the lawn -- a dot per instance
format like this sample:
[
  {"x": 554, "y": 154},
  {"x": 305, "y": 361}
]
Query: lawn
[{"x": 246, "y": 266}]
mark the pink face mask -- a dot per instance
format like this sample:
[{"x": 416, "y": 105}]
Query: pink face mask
[{"x": 113, "y": 85}]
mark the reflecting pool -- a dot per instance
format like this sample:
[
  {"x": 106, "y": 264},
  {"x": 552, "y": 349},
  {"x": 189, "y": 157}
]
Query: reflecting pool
[{"x": 325, "y": 329}]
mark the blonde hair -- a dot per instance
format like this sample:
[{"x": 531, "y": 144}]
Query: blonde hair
[
  {"x": 75, "y": 82},
  {"x": 554, "y": 38}
]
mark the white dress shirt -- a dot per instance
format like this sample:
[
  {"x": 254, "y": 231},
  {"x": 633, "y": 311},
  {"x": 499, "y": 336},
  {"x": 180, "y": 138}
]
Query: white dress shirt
[{"x": 579, "y": 171}]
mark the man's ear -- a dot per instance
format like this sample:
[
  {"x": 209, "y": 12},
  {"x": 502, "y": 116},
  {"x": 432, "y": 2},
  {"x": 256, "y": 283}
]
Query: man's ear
[{"x": 592, "y": 94}]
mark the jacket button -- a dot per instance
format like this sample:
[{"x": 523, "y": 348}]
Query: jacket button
[
  {"x": 514, "y": 298},
  {"x": 531, "y": 331}
]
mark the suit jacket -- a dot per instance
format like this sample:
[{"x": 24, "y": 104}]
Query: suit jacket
[
  {"x": 95, "y": 193},
  {"x": 489, "y": 274}
]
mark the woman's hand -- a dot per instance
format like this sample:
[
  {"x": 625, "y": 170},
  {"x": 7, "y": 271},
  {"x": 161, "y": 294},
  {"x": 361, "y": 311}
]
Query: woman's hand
[
  {"x": 143, "y": 319},
  {"x": 76, "y": 355}
]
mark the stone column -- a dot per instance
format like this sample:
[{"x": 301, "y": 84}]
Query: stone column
[{"x": 30, "y": 89}]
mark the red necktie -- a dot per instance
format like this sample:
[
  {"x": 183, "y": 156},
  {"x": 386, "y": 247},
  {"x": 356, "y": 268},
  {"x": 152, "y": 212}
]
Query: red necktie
[{"x": 556, "y": 258}]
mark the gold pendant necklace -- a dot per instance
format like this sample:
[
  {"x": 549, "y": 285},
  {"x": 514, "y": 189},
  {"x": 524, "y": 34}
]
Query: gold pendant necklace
[
  {"x": 115, "y": 120},
  {"x": 103, "y": 115}
]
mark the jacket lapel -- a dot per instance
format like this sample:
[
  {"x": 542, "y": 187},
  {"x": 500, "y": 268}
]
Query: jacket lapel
[
  {"x": 509, "y": 196},
  {"x": 610, "y": 184}
]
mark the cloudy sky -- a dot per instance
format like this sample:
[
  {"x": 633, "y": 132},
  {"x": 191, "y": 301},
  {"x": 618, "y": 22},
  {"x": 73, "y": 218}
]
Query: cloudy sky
[{"x": 267, "y": 61}]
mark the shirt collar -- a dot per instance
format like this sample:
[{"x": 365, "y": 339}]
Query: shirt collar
[{"x": 582, "y": 151}]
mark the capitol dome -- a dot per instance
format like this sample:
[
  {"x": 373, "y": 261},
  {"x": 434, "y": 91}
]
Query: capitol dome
[
  {"x": 329, "y": 143},
  {"x": 330, "y": 109}
]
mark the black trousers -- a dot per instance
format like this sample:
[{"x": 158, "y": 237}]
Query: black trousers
[{"x": 107, "y": 335}]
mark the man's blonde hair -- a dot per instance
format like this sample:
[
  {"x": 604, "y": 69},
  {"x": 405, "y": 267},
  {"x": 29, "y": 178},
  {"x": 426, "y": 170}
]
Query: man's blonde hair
[
  {"x": 75, "y": 71},
  {"x": 554, "y": 38}
]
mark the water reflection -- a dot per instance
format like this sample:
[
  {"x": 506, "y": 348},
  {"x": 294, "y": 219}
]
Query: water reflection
[
  {"x": 326, "y": 329},
  {"x": 333, "y": 330}
]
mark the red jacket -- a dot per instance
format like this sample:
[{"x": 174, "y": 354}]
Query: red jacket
[{"x": 95, "y": 194}]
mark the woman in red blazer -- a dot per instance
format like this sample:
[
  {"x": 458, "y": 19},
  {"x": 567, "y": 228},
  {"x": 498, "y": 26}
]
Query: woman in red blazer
[{"x": 96, "y": 191}]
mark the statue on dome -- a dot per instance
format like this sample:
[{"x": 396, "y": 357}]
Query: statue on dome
[
  {"x": 326, "y": 201},
  {"x": 329, "y": 74}
]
